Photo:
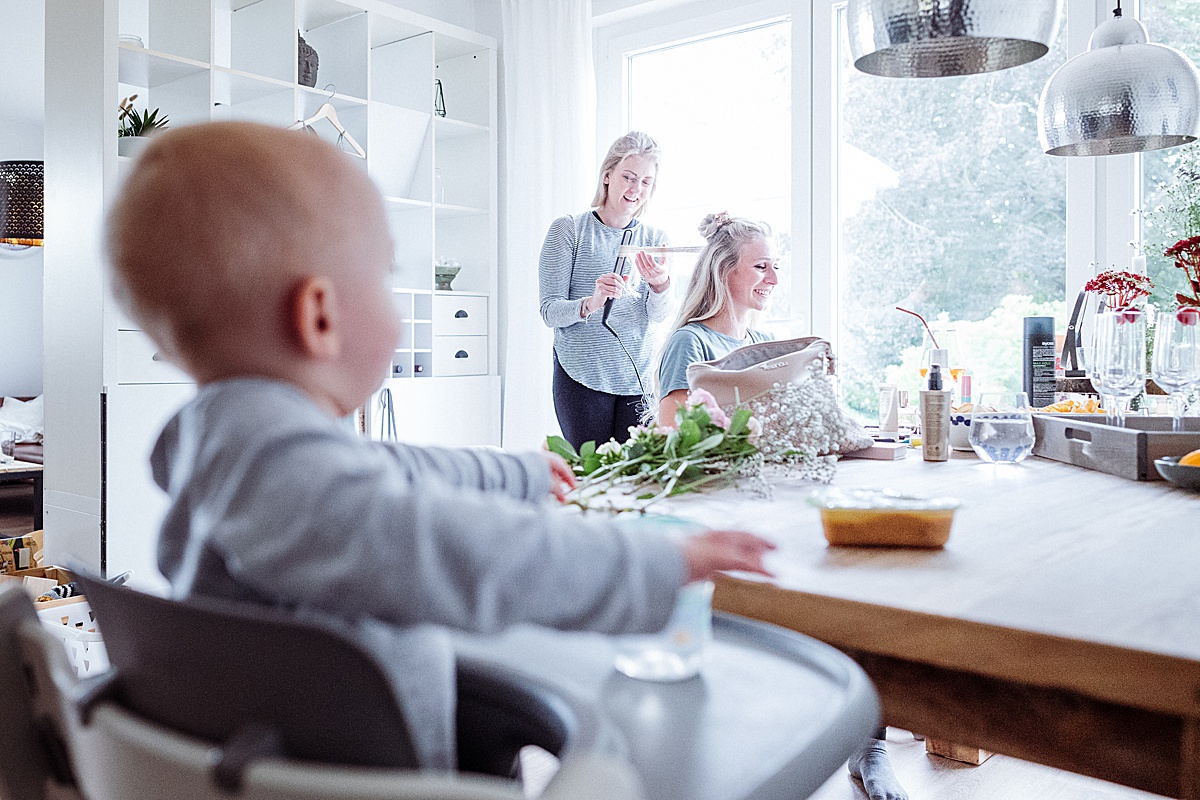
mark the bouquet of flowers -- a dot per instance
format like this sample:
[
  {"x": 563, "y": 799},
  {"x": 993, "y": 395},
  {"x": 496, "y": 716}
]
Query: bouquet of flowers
[
  {"x": 1186, "y": 253},
  {"x": 1123, "y": 289},
  {"x": 705, "y": 446}
]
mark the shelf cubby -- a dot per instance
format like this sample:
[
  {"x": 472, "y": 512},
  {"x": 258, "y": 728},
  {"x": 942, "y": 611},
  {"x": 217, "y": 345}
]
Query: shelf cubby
[
  {"x": 338, "y": 34},
  {"x": 260, "y": 38},
  {"x": 176, "y": 27}
]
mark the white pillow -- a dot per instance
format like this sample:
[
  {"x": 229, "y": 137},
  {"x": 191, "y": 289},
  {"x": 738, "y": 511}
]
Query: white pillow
[{"x": 26, "y": 419}]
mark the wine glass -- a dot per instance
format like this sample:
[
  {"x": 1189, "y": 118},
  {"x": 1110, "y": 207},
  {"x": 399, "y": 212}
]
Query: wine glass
[
  {"x": 1121, "y": 355},
  {"x": 1175, "y": 365},
  {"x": 1090, "y": 362},
  {"x": 1002, "y": 427}
]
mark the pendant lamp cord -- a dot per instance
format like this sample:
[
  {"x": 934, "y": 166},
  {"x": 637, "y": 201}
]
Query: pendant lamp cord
[{"x": 1117, "y": 10}]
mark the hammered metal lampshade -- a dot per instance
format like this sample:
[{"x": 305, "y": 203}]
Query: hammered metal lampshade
[
  {"x": 939, "y": 38},
  {"x": 21, "y": 203},
  {"x": 1124, "y": 95}
]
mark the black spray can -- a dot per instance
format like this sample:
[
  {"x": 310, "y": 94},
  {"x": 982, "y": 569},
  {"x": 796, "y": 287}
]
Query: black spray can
[{"x": 1037, "y": 357}]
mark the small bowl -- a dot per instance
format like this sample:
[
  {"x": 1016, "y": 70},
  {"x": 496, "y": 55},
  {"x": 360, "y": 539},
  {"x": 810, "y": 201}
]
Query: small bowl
[
  {"x": 960, "y": 430},
  {"x": 442, "y": 276},
  {"x": 1181, "y": 475}
]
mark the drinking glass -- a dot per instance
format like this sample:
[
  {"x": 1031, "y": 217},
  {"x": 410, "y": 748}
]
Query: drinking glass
[
  {"x": 1002, "y": 427},
  {"x": 1120, "y": 351},
  {"x": 1175, "y": 365},
  {"x": 1088, "y": 360}
]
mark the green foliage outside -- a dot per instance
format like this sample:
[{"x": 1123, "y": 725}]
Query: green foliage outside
[
  {"x": 972, "y": 233},
  {"x": 1171, "y": 178}
]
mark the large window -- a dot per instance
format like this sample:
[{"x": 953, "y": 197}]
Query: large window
[
  {"x": 720, "y": 106},
  {"x": 1175, "y": 23},
  {"x": 946, "y": 206}
]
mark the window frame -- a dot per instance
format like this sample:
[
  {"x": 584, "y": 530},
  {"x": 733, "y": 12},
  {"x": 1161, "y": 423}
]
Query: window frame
[{"x": 1101, "y": 192}]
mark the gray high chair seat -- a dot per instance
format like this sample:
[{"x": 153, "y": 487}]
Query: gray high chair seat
[{"x": 135, "y": 732}]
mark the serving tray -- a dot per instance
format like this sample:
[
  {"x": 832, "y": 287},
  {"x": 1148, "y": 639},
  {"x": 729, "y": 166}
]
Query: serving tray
[{"x": 1085, "y": 440}]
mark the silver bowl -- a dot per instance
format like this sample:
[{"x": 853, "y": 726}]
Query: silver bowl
[{"x": 1181, "y": 475}]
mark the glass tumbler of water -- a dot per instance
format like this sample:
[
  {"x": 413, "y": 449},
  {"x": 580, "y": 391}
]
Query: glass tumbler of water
[
  {"x": 678, "y": 652},
  {"x": 1002, "y": 428},
  {"x": 8, "y": 444}
]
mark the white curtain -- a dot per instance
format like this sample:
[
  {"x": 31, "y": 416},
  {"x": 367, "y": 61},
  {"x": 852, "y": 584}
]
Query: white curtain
[{"x": 547, "y": 170}]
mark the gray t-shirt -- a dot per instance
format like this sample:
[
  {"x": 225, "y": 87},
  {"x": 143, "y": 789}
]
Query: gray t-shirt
[
  {"x": 273, "y": 502},
  {"x": 697, "y": 342},
  {"x": 578, "y": 250}
]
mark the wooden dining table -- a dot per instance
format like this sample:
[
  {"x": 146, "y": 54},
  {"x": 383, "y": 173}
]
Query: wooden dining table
[{"x": 1059, "y": 624}]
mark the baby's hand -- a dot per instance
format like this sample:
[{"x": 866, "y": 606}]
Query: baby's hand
[
  {"x": 721, "y": 551},
  {"x": 562, "y": 479}
]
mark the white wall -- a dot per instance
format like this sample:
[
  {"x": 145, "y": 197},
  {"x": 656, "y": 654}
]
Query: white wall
[{"x": 21, "y": 97}]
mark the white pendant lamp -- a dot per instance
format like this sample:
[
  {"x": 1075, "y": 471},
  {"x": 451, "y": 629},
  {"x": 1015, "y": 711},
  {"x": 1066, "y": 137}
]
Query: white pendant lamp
[
  {"x": 1124, "y": 95},
  {"x": 939, "y": 38}
]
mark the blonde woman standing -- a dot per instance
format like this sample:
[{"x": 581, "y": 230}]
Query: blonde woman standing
[{"x": 600, "y": 371}]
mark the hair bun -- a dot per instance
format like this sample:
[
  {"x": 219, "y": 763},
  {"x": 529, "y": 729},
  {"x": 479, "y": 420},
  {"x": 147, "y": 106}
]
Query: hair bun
[{"x": 712, "y": 224}]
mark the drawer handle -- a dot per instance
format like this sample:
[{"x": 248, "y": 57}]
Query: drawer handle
[
  {"x": 158, "y": 357},
  {"x": 460, "y": 314},
  {"x": 461, "y": 354}
]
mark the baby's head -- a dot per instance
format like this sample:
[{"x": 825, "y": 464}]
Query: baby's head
[{"x": 247, "y": 250}]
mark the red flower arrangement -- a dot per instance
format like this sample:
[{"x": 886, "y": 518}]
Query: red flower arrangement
[
  {"x": 1186, "y": 253},
  {"x": 1122, "y": 288}
]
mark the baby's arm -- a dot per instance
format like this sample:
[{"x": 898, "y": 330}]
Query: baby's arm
[
  {"x": 525, "y": 476},
  {"x": 724, "y": 551}
]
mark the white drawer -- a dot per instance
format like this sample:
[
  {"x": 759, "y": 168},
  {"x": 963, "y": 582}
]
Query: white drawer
[
  {"x": 138, "y": 361},
  {"x": 461, "y": 315},
  {"x": 460, "y": 355}
]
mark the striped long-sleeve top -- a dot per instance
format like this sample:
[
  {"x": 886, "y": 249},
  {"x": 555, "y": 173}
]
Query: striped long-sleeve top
[{"x": 578, "y": 250}]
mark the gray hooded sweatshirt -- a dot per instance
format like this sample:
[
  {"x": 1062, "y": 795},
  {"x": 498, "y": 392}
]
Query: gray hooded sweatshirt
[{"x": 274, "y": 502}]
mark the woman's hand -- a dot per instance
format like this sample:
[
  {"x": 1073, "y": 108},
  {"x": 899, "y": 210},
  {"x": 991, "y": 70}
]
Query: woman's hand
[
  {"x": 610, "y": 285},
  {"x": 654, "y": 272},
  {"x": 562, "y": 479}
]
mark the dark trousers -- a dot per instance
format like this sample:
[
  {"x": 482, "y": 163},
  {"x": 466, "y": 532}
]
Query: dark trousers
[{"x": 586, "y": 415}]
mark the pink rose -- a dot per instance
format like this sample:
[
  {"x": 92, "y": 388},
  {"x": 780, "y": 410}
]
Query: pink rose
[{"x": 702, "y": 397}]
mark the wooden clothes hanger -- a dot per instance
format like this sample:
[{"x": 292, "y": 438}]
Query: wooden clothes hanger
[{"x": 326, "y": 111}]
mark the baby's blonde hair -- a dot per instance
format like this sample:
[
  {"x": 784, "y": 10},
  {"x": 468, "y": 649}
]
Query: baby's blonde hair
[
  {"x": 634, "y": 143},
  {"x": 217, "y": 220}
]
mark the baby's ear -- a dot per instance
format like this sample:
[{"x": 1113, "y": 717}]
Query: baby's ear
[{"x": 313, "y": 319}]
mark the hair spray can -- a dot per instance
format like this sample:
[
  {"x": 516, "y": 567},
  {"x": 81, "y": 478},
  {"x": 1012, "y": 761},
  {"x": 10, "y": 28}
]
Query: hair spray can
[
  {"x": 935, "y": 418},
  {"x": 1037, "y": 357}
]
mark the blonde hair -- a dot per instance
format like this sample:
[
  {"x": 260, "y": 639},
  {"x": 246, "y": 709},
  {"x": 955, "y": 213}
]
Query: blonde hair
[
  {"x": 215, "y": 222},
  {"x": 634, "y": 143},
  {"x": 707, "y": 292}
]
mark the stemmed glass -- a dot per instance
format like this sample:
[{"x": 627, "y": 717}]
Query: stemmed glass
[
  {"x": 1175, "y": 365},
  {"x": 1090, "y": 364},
  {"x": 1120, "y": 351}
]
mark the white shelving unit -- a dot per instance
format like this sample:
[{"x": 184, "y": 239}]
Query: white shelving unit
[{"x": 107, "y": 390}]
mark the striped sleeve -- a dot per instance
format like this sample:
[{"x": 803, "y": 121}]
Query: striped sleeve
[{"x": 554, "y": 275}]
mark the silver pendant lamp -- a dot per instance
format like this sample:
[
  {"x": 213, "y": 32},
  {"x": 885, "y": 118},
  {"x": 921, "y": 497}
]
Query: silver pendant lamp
[
  {"x": 939, "y": 38},
  {"x": 1124, "y": 95}
]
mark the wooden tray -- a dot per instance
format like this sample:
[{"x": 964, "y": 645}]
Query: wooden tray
[{"x": 1129, "y": 452}]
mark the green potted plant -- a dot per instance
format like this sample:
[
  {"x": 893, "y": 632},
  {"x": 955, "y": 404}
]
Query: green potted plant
[{"x": 135, "y": 126}]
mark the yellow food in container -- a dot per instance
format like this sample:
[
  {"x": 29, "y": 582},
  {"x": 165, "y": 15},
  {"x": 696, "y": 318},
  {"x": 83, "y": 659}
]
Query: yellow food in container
[{"x": 883, "y": 518}]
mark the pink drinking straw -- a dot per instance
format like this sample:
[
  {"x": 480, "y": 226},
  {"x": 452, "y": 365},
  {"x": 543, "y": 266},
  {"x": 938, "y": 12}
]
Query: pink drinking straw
[{"x": 923, "y": 322}]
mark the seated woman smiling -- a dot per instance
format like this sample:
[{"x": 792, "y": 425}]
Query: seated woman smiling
[{"x": 733, "y": 279}]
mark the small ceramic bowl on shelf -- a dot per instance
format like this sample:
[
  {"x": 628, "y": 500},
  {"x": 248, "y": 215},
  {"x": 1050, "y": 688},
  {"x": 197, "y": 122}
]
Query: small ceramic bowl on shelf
[
  {"x": 1182, "y": 475},
  {"x": 443, "y": 276}
]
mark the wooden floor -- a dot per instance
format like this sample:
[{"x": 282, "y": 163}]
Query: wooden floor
[
  {"x": 926, "y": 777},
  {"x": 929, "y": 777}
]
